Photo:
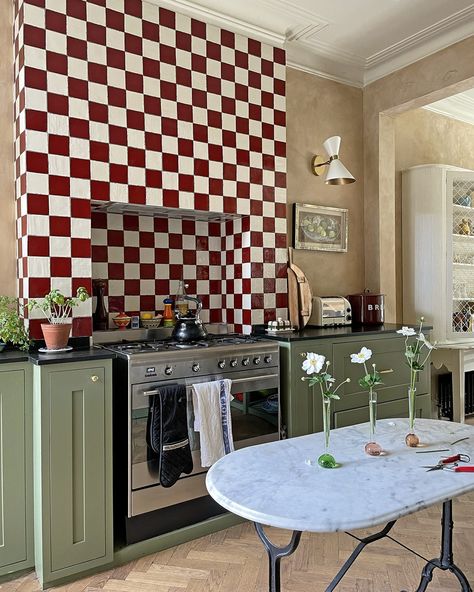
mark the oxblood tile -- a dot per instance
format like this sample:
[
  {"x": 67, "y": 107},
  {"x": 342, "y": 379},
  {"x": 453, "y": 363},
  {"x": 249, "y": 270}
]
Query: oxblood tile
[
  {"x": 176, "y": 272},
  {"x": 189, "y": 257},
  {"x": 100, "y": 190},
  {"x": 38, "y": 246},
  {"x": 38, "y": 287},
  {"x": 147, "y": 271},
  {"x": 60, "y": 266},
  {"x": 35, "y": 78},
  {"x": 175, "y": 241},
  {"x": 147, "y": 303},
  {"x": 36, "y": 162},
  {"x": 116, "y": 271},
  {"x": 55, "y": 21},
  {"x": 160, "y": 224},
  {"x": 114, "y": 19},
  {"x": 78, "y": 88},
  {"x": 81, "y": 247},
  {"x": 282, "y": 300},
  {"x": 202, "y": 272},
  {"x": 80, "y": 168},
  {"x": 81, "y": 326},
  {"x": 202, "y": 243},
  {"x": 162, "y": 287},
  {"x": 116, "y": 303},
  {"x": 147, "y": 239},
  {"x": 137, "y": 194},
  {"x": 34, "y": 36},
  {"x": 132, "y": 287},
  {"x": 131, "y": 254},
  {"x": 162, "y": 256},
  {"x": 36, "y": 120},
  {"x": 99, "y": 253}
]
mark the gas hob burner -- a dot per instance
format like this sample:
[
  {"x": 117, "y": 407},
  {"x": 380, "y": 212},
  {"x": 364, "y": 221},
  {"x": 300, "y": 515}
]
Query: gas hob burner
[{"x": 190, "y": 344}]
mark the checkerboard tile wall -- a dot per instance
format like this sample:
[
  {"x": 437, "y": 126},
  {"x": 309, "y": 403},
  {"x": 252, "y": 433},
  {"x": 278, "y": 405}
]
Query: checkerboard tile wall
[{"x": 126, "y": 101}]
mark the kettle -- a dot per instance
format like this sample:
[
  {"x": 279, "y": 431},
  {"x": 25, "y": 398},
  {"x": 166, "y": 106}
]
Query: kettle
[{"x": 189, "y": 327}]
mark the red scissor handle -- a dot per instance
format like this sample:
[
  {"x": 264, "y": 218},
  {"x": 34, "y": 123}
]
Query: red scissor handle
[
  {"x": 465, "y": 469},
  {"x": 454, "y": 458}
]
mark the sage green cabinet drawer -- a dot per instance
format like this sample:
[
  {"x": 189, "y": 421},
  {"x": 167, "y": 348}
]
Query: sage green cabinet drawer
[
  {"x": 16, "y": 469},
  {"x": 398, "y": 408},
  {"x": 389, "y": 357},
  {"x": 73, "y": 468}
]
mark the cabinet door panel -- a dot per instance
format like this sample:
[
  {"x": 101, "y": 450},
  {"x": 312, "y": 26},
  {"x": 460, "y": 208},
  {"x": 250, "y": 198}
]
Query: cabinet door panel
[
  {"x": 384, "y": 411},
  {"x": 77, "y": 467},
  {"x": 13, "y": 467}
]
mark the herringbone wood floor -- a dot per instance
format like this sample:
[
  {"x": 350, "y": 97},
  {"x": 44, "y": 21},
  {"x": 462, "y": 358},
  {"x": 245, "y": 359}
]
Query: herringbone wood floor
[{"x": 233, "y": 560}]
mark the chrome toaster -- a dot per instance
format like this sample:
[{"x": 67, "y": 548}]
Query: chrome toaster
[{"x": 330, "y": 311}]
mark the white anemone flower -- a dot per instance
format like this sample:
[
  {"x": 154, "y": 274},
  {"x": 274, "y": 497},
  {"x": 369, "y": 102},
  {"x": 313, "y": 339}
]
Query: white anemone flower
[
  {"x": 421, "y": 337},
  {"x": 313, "y": 363},
  {"x": 364, "y": 355},
  {"x": 407, "y": 331}
]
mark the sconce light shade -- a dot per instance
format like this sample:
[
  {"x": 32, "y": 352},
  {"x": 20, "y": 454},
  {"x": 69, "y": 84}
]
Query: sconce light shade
[{"x": 337, "y": 174}]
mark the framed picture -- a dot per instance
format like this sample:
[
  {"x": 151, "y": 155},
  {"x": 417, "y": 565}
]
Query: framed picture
[{"x": 320, "y": 228}]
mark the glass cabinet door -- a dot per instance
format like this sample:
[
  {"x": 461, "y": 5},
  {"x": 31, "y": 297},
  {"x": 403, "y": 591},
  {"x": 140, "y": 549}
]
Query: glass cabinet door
[{"x": 460, "y": 233}]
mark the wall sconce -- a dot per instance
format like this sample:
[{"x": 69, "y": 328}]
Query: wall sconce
[{"x": 337, "y": 174}]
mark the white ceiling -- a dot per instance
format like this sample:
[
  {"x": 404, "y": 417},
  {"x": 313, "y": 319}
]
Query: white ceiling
[
  {"x": 460, "y": 106},
  {"x": 352, "y": 41}
]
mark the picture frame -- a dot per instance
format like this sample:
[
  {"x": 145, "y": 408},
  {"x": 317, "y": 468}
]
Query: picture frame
[{"x": 320, "y": 228}]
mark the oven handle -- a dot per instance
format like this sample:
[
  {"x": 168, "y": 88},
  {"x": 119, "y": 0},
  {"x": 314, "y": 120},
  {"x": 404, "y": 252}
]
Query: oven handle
[{"x": 237, "y": 381}]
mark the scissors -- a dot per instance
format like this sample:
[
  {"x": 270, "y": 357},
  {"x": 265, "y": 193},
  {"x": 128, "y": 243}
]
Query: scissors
[{"x": 452, "y": 460}]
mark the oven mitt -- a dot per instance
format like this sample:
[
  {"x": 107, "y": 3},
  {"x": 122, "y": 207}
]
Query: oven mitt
[{"x": 167, "y": 433}]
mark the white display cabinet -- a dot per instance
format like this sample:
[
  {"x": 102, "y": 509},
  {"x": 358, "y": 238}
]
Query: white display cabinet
[
  {"x": 438, "y": 250},
  {"x": 438, "y": 265}
]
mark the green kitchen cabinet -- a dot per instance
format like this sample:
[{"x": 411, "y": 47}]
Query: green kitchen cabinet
[
  {"x": 72, "y": 468},
  {"x": 16, "y": 468},
  {"x": 301, "y": 405}
]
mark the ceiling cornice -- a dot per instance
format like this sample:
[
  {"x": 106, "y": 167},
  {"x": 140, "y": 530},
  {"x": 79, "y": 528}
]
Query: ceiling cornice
[
  {"x": 309, "y": 54},
  {"x": 222, "y": 20},
  {"x": 460, "y": 107}
]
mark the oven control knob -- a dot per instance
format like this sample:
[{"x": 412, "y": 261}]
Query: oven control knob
[
  {"x": 257, "y": 360},
  {"x": 168, "y": 370},
  {"x": 267, "y": 359},
  {"x": 233, "y": 363},
  {"x": 245, "y": 361},
  {"x": 195, "y": 368},
  {"x": 221, "y": 364}
]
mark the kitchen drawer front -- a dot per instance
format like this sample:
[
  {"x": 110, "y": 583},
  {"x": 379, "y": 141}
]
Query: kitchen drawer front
[
  {"x": 386, "y": 410},
  {"x": 389, "y": 356}
]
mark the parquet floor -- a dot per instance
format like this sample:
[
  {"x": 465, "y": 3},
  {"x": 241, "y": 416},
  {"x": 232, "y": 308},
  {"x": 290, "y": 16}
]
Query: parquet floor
[{"x": 233, "y": 560}]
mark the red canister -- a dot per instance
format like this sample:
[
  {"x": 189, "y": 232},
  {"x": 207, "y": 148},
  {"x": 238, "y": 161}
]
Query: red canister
[{"x": 367, "y": 308}]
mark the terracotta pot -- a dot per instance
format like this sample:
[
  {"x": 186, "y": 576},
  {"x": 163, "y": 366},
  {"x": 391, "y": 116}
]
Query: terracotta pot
[{"x": 56, "y": 336}]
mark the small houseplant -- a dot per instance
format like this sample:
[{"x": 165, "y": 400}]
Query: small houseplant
[
  {"x": 57, "y": 309},
  {"x": 12, "y": 325}
]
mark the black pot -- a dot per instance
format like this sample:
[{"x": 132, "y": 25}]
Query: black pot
[{"x": 189, "y": 328}]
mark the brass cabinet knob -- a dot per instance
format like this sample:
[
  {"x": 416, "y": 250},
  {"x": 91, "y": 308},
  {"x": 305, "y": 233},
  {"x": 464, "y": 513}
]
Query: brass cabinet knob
[{"x": 94, "y": 378}]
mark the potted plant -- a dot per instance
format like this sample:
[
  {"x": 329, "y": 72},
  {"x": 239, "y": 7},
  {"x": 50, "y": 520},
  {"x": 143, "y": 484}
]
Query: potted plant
[
  {"x": 12, "y": 326},
  {"x": 57, "y": 309}
]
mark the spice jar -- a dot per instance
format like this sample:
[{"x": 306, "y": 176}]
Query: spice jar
[{"x": 168, "y": 316}]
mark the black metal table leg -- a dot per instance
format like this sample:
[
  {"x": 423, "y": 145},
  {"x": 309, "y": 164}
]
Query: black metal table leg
[
  {"x": 445, "y": 561},
  {"x": 275, "y": 554}
]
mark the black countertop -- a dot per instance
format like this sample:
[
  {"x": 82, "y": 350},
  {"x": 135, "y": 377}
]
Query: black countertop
[
  {"x": 332, "y": 332},
  {"x": 75, "y": 355},
  {"x": 14, "y": 355}
]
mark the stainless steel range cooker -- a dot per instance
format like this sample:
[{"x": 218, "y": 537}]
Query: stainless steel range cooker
[{"x": 142, "y": 505}]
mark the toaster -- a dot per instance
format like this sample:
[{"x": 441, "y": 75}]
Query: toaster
[{"x": 330, "y": 311}]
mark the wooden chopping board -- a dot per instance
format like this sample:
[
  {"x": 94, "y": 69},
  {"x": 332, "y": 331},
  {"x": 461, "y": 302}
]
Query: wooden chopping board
[
  {"x": 305, "y": 294},
  {"x": 293, "y": 304}
]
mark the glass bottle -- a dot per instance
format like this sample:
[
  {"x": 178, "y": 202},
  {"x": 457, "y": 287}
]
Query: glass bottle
[
  {"x": 411, "y": 438},
  {"x": 181, "y": 305},
  {"x": 327, "y": 460},
  {"x": 168, "y": 316},
  {"x": 100, "y": 316}
]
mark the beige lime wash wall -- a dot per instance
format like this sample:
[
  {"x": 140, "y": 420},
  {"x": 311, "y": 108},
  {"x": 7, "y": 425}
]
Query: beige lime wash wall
[
  {"x": 7, "y": 211},
  {"x": 317, "y": 109},
  {"x": 424, "y": 137},
  {"x": 435, "y": 77}
]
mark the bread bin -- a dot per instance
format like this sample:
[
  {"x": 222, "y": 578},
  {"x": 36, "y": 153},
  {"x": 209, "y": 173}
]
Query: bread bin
[{"x": 367, "y": 308}]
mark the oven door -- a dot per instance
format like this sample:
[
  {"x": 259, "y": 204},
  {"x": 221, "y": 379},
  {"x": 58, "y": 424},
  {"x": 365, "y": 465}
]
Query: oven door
[{"x": 255, "y": 411}]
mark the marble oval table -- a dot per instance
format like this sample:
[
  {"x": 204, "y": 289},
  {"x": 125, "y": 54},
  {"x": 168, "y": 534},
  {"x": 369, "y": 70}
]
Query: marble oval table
[{"x": 272, "y": 484}]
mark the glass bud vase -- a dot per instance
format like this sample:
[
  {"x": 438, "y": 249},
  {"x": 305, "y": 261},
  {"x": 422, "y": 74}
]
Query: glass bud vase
[
  {"x": 372, "y": 448},
  {"x": 327, "y": 460},
  {"x": 411, "y": 439}
]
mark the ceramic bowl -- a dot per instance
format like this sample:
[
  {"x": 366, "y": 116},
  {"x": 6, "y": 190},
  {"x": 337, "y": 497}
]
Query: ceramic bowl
[
  {"x": 153, "y": 323},
  {"x": 121, "y": 321}
]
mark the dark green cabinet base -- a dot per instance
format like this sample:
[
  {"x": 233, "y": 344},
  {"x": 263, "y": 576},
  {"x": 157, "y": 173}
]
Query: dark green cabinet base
[{"x": 16, "y": 469}]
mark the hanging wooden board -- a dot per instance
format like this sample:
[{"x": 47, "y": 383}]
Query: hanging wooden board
[
  {"x": 293, "y": 304},
  {"x": 305, "y": 294}
]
